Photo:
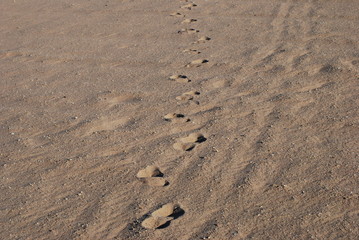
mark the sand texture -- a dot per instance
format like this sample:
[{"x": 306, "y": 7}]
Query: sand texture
[{"x": 179, "y": 120}]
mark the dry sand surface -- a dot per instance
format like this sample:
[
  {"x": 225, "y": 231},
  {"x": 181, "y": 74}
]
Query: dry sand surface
[{"x": 157, "y": 119}]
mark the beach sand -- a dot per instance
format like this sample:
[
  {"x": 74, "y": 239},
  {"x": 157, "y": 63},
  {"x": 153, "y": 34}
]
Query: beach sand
[{"x": 223, "y": 119}]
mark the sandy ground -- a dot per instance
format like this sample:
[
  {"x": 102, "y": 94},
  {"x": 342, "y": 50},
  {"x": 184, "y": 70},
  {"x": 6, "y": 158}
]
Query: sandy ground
[{"x": 260, "y": 138}]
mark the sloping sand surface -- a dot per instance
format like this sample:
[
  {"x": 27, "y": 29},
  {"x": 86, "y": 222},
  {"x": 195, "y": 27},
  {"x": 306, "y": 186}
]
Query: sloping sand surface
[{"x": 155, "y": 119}]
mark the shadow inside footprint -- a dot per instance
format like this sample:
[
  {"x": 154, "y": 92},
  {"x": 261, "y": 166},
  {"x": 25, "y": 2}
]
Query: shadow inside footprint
[
  {"x": 182, "y": 76},
  {"x": 201, "y": 139},
  {"x": 161, "y": 174},
  {"x": 178, "y": 212},
  {"x": 179, "y": 115},
  {"x": 190, "y": 148}
]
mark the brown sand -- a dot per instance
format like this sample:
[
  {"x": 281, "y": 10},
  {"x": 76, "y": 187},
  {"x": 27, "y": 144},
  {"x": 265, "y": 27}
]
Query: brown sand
[{"x": 84, "y": 88}]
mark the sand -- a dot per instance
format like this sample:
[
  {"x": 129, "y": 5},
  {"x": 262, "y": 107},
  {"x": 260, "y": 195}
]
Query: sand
[{"x": 247, "y": 108}]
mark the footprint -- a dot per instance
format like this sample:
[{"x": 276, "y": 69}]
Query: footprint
[
  {"x": 189, "y": 20},
  {"x": 104, "y": 124},
  {"x": 177, "y": 14},
  {"x": 152, "y": 176},
  {"x": 154, "y": 181},
  {"x": 176, "y": 117},
  {"x": 165, "y": 211},
  {"x": 188, "y": 30},
  {"x": 111, "y": 99},
  {"x": 162, "y": 216},
  {"x": 189, "y": 6},
  {"x": 194, "y": 138},
  {"x": 203, "y": 40},
  {"x": 197, "y": 63},
  {"x": 149, "y": 171},
  {"x": 189, "y": 143},
  {"x": 155, "y": 222},
  {"x": 192, "y": 51},
  {"x": 180, "y": 78},
  {"x": 184, "y": 146},
  {"x": 187, "y": 96}
]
